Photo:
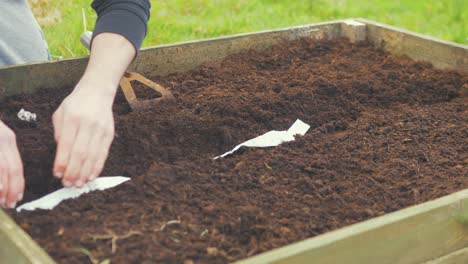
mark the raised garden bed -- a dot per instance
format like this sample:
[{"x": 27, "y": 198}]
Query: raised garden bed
[{"x": 386, "y": 133}]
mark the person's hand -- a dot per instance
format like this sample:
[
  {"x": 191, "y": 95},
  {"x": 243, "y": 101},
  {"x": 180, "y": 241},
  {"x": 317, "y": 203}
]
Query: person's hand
[
  {"x": 84, "y": 130},
  {"x": 11, "y": 169},
  {"x": 83, "y": 123}
]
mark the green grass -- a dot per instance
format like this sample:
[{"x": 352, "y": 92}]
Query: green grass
[{"x": 181, "y": 20}]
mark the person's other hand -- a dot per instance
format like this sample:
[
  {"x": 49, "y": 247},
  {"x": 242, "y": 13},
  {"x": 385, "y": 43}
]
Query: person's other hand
[
  {"x": 84, "y": 130},
  {"x": 11, "y": 169}
]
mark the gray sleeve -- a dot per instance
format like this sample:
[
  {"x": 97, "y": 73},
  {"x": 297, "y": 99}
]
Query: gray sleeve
[{"x": 128, "y": 18}]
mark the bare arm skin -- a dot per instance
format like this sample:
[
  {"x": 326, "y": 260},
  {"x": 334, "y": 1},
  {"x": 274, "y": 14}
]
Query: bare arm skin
[
  {"x": 11, "y": 169},
  {"x": 84, "y": 123}
]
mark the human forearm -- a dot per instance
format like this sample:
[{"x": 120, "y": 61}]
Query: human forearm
[
  {"x": 11, "y": 169},
  {"x": 84, "y": 125},
  {"x": 110, "y": 56},
  {"x": 84, "y": 122}
]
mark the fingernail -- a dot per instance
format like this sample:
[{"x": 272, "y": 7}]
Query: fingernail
[
  {"x": 67, "y": 184},
  {"x": 20, "y": 197},
  {"x": 92, "y": 177},
  {"x": 79, "y": 183},
  {"x": 2, "y": 201},
  {"x": 12, "y": 205},
  {"x": 1, "y": 186},
  {"x": 58, "y": 175}
]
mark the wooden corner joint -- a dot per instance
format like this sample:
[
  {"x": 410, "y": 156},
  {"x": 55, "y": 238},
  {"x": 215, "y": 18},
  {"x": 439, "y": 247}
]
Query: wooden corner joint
[{"x": 354, "y": 30}]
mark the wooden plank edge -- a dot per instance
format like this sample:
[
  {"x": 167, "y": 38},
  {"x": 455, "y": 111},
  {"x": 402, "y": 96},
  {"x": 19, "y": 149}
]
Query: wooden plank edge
[
  {"x": 409, "y": 32},
  {"x": 441, "y": 54},
  {"x": 456, "y": 202},
  {"x": 159, "y": 60},
  {"x": 190, "y": 42},
  {"x": 457, "y": 257},
  {"x": 17, "y": 246}
]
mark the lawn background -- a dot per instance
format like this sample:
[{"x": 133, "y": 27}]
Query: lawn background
[{"x": 181, "y": 20}]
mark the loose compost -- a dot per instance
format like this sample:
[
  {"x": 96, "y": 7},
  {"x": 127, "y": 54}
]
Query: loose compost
[{"x": 386, "y": 133}]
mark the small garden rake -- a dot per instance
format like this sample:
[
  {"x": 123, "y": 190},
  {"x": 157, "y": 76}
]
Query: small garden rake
[{"x": 126, "y": 85}]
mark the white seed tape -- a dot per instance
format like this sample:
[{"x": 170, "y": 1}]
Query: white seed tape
[
  {"x": 27, "y": 116},
  {"x": 272, "y": 138},
  {"x": 51, "y": 200}
]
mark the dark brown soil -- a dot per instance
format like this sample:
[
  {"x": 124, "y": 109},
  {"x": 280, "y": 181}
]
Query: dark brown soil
[{"x": 386, "y": 133}]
